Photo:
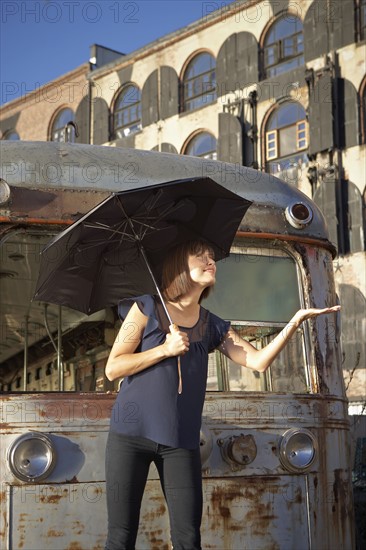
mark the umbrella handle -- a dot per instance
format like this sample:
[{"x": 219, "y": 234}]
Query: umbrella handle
[
  {"x": 174, "y": 328},
  {"x": 180, "y": 386}
]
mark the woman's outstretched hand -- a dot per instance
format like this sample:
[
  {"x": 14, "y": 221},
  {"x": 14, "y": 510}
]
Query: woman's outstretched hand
[{"x": 304, "y": 314}]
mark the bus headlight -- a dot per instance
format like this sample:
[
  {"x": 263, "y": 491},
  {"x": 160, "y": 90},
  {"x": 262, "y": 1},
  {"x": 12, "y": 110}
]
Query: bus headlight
[
  {"x": 297, "y": 449},
  {"x": 299, "y": 215},
  {"x": 32, "y": 457}
]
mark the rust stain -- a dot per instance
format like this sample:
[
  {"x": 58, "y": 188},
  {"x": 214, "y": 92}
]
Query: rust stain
[
  {"x": 343, "y": 503},
  {"x": 54, "y": 533},
  {"x": 155, "y": 540},
  {"x": 55, "y": 408},
  {"x": 77, "y": 527},
  {"x": 73, "y": 480},
  {"x": 44, "y": 498},
  {"x": 50, "y": 206},
  {"x": 154, "y": 512},
  {"x": 286, "y": 237},
  {"x": 33, "y": 221},
  {"x": 224, "y": 511},
  {"x": 50, "y": 499},
  {"x": 261, "y": 513},
  {"x": 241, "y": 502},
  {"x": 2, "y": 533}
]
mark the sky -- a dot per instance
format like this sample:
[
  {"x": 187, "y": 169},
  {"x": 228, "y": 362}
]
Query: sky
[{"x": 43, "y": 39}]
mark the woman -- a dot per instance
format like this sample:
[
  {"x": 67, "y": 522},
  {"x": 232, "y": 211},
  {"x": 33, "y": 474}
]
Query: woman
[{"x": 151, "y": 420}]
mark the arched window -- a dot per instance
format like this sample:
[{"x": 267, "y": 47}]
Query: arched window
[
  {"x": 199, "y": 82},
  {"x": 127, "y": 112},
  {"x": 202, "y": 145},
  {"x": 286, "y": 140},
  {"x": 283, "y": 46},
  {"x": 59, "y": 126},
  {"x": 11, "y": 135}
]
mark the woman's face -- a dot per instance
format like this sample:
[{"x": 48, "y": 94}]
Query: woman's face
[{"x": 202, "y": 268}]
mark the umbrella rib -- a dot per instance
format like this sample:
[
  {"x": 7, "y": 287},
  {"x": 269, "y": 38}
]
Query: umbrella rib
[
  {"x": 162, "y": 214},
  {"x": 114, "y": 231},
  {"x": 122, "y": 233}
]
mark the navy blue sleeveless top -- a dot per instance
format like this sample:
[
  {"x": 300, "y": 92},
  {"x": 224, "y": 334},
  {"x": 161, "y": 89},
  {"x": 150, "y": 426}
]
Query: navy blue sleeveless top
[{"x": 148, "y": 404}]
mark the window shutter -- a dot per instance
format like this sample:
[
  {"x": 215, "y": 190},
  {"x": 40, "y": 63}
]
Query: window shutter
[
  {"x": 335, "y": 19},
  {"x": 352, "y": 334},
  {"x": 168, "y": 148},
  {"x": 149, "y": 100},
  {"x": 351, "y": 120},
  {"x": 237, "y": 63},
  {"x": 325, "y": 198},
  {"x": 9, "y": 123},
  {"x": 321, "y": 116},
  {"x": 246, "y": 59},
  {"x": 169, "y": 92},
  {"x": 126, "y": 141},
  {"x": 315, "y": 43},
  {"x": 229, "y": 146},
  {"x": 82, "y": 120},
  {"x": 225, "y": 66},
  {"x": 355, "y": 219},
  {"x": 346, "y": 108},
  {"x": 100, "y": 121},
  {"x": 165, "y": 148},
  {"x": 341, "y": 22}
]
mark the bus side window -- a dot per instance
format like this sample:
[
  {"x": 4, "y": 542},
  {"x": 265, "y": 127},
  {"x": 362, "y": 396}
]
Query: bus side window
[{"x": 286, "y": 374}]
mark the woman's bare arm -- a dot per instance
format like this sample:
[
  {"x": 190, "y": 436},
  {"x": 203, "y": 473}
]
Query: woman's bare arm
[
  {"x": 123, "y": 361},
  {"x": 242, "y": 352}
]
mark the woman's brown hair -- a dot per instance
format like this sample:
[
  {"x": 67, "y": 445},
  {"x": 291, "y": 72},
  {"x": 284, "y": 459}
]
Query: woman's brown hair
[{"x": 176, "y": 280}]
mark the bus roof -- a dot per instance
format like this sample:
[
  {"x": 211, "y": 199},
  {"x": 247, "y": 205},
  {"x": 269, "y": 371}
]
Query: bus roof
[{"x": 63, "y": 167}]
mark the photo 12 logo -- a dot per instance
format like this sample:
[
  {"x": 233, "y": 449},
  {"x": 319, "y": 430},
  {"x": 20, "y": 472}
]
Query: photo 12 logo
[{"x": 71, "y": 11}]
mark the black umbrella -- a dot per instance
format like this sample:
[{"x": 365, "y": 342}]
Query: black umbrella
[{"x": 116, "y": 250}]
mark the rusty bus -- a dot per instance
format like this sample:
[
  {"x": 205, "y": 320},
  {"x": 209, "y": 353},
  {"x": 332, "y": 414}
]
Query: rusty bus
[{"x": 275, "y": 447}]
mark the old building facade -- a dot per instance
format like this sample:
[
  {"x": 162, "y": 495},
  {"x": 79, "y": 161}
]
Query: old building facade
[{"x": 276, "y": 85}]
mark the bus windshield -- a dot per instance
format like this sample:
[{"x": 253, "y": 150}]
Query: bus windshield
[{"x": 258, "y": 290}]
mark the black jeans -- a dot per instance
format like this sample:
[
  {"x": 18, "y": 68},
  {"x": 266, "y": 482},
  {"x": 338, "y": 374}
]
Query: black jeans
[{"x": 127, "y": 465}]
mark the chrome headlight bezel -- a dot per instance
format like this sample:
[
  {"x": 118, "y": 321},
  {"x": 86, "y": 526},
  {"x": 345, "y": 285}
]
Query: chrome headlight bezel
[
  {"x": 299, "y": 214},
  {"x": 298, "y": 449},
  {"x": 32, "y": 457}
]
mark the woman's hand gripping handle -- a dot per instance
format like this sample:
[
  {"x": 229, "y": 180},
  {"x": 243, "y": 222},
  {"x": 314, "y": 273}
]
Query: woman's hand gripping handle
[{"x": 178, "y": 341}]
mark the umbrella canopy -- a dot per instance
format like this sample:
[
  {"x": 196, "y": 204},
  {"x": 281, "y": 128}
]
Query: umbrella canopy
[{"x": 117, "y": 249}]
